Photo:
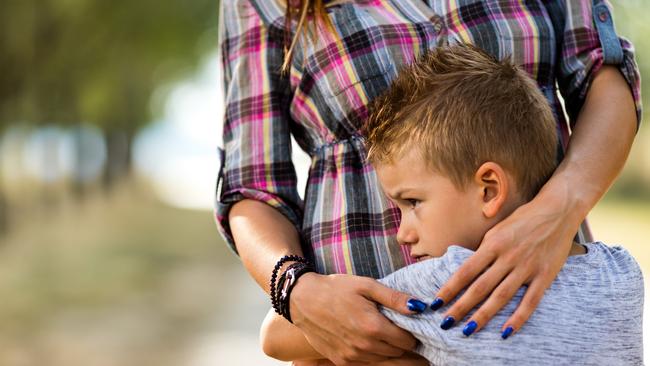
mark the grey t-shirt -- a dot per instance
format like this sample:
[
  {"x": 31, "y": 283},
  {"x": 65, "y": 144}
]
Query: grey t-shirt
[{"x": 591, "y": 315}]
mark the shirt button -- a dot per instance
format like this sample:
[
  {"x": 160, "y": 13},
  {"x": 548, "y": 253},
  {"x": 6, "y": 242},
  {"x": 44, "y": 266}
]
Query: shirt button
[{"x": 603, "y": 16}]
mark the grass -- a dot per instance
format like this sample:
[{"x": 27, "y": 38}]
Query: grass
[{"x": 111, "y": 271}]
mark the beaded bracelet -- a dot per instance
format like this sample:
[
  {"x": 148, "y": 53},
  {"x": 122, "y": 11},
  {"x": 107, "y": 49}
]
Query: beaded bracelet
[
  {"x": 280, "y": 285},
  {"x": 274, "y": 275},
  {"x": 289, "y": 279}
]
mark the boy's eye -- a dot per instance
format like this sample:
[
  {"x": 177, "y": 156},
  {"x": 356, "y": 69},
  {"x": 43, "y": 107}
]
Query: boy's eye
[{"x": 412, "y": 202}]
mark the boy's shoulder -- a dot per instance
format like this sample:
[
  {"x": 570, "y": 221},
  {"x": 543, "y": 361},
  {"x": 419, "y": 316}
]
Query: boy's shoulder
[
  {"x": 603, "y": 271},
  {"x": 613, "y": 260},
  {"x": 612, "y": 257},
  {"x": 427, "y": 275}
]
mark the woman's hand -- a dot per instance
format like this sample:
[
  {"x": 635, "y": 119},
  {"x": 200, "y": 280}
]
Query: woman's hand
[
  {"x": 528, "y": 247},
  {"x": 339, "y": 317}
]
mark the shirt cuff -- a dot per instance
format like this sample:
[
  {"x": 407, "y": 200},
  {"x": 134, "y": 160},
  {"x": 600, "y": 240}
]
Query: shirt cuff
[
  {"x": 228, "y": 199},
  {"x": 618, "y": 51}
]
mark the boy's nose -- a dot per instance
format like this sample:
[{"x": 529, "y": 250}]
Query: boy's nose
[{"x": 405, "y": 236}]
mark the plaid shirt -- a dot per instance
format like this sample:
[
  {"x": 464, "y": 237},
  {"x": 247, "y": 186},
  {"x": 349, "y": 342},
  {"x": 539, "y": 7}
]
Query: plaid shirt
[{"x": 346, "y": 224}]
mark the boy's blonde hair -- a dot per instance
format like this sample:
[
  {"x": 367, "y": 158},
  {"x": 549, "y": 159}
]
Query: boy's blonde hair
[{"x": 461, "y": 108}]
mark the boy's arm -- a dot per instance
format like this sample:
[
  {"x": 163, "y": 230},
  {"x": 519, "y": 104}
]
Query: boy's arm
[{"x": 284, "y": 341}]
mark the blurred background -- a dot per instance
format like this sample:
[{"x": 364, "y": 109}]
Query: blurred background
[{"x": 109, "y": 125}]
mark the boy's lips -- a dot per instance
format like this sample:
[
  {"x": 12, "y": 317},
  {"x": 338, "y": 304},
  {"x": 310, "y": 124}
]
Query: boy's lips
[{"x": 419, "y": 257}]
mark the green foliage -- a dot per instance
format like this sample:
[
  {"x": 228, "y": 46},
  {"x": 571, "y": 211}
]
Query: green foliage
[{"x": 67, "y": 61}]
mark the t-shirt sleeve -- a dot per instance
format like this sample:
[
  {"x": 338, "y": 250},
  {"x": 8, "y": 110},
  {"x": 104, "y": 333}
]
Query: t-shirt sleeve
[
  {"x": 421, "y": 280},
  {"x": 627, "y": 298},
  {"x": 256, "y": 157},
  {"x": 634, "y": 289},
  {"x": 588, "y": 41}
]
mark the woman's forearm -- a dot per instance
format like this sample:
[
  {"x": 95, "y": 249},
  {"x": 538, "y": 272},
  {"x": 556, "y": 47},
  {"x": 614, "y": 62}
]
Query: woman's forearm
[
  {"x": 262, "y": 236},
  {"x": 598, "y": 148},
  {"x": 337, "y": 313}
]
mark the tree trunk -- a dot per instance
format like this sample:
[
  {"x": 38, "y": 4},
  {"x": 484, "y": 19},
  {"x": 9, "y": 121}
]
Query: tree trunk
[
  {"x": 118, "y": 158},
  {"x": 4, "y": 213}
]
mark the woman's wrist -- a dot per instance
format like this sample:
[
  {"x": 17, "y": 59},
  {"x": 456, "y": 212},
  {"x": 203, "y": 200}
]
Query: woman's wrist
[
  {"x": 566, "y": 194},
  {"x": 298, "y": 295},
  {"x": 281, "y": 283},
  {"x": 600, "y": 142}
]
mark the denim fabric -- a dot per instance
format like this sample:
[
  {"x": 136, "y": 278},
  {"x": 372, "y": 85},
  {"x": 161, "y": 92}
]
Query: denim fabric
[{"x": 612, "y": 50}]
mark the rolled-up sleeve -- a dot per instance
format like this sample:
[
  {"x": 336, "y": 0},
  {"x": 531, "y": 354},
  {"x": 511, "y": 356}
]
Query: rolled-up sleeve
[
  {"x": 256, "y": 156},
  {"x": 588, "y": 42}
]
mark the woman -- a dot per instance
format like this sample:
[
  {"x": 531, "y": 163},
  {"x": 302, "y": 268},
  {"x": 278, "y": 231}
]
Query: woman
[{"x": 346, "y": 225}]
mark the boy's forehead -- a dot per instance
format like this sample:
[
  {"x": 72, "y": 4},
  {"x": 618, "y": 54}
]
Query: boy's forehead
[
  {"x": 407, "y": 159},
  {"x": 402, "y": 175}
]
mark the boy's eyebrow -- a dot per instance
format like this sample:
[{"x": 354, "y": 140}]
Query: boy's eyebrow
[{"x": 398, "y": 194}]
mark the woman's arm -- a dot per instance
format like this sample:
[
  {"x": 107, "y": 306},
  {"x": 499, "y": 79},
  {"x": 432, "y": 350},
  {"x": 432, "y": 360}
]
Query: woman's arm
[
  {"x": 604, "y": 107},
  {"x": 262, "y": 236},
  {"x": 532, "y": 244},
  {"x": 259, "y": 211},
  {"x": 337, "y": 313}
]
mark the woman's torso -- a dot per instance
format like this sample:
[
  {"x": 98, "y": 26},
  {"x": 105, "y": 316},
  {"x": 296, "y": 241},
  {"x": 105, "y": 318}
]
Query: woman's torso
[{"x": 348, "y": 223}]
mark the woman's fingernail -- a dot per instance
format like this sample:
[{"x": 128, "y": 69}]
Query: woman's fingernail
[
  {"x": 416, "y": 305},
  {"x": 437, "y": 304},
  {"x": 447, "y": 323},
  {"x": 507, "y": 332},
  {"x": 469, "y": 328}
]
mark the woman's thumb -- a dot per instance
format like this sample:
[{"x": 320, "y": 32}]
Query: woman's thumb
[{"x": 395, "y": 300}]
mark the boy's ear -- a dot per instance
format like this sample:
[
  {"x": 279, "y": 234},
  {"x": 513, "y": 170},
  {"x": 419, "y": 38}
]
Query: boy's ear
[{"x": 493, "y": 182}]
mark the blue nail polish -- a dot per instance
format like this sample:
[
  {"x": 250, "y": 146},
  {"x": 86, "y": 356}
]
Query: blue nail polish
[
  {"x": 447, "y": 323},
  {"x": 506, "y": 333},
  {"x": 437, "y": 304},
  {"x": 416, "y": 305},
  {"x": 469, "y": 328}
]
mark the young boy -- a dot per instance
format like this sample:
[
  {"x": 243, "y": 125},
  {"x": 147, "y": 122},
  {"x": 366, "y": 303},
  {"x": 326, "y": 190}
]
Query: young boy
[{"x": 458, "y": 142}]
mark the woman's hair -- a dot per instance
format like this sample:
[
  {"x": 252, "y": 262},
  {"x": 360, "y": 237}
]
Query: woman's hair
[
  {"x": 460, "y": 107},
  {"x": 310, "y": 16}
]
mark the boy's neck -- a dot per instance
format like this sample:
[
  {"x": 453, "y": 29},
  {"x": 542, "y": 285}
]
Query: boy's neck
[{"x": 577, "y": 249}]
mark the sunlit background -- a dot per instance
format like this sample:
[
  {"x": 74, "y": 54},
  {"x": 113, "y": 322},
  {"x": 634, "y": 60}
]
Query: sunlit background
[{"x": 110, "y": 118}]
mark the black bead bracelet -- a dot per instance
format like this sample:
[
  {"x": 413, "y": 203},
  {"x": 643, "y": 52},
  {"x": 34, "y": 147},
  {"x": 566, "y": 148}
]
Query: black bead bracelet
[
  {"x": 274, "y": 275},
  {"x": 280, "y": 285},
  {"x": 289, "y": 279}
]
